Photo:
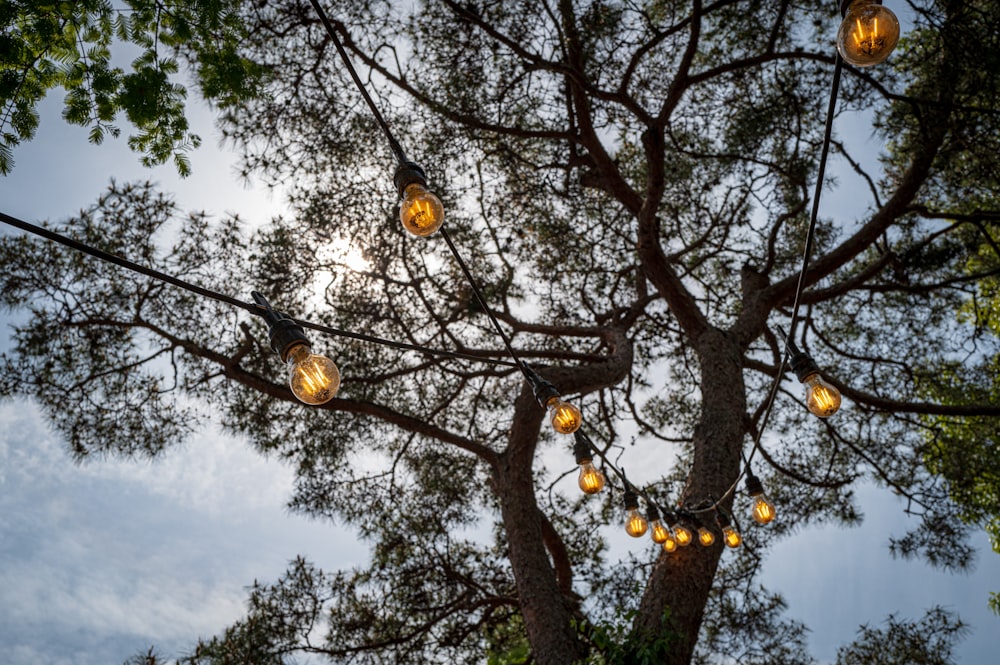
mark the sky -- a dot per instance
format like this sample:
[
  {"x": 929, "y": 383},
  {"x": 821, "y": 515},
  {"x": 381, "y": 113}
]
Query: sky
[{"x": 100, "y": 561}]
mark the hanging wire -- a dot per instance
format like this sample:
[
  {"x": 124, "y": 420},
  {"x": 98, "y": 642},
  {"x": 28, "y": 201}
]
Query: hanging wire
[
  {"x": 401, "y": 158},
  {"x": 253, "y": 308}
]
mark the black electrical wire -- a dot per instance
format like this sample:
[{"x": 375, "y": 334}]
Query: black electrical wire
[{"x": 253, "y": 308}]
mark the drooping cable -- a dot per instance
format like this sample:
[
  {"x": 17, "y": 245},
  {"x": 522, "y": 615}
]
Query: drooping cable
[{"x": 253, "y": 308}]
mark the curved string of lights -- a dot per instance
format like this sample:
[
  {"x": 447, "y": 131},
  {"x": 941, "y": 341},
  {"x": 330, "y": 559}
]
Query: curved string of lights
[{"x": 866, "y": 37}]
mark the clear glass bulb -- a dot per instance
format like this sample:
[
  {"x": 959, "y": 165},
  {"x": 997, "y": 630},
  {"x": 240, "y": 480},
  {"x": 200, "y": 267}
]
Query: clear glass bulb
[
  {"x": 591, "y": 478},
  {"x": 731, "y": 536},
  {"x": 635, "y": 523},
  {"x": 763, "y": 510},
  {"x": 705, "y": 537},
  {"x": 822, "y": 399},
  {"x": 683, "y": 535},
  {"x": 420, "y": 211},
  {"x": 670, "y": 544},
  {"x": 659, "y": 532},
  {"x": 868, "y": 33},
  {"x": 314, "y": 379},
  {"x": 565, "y": 417}
]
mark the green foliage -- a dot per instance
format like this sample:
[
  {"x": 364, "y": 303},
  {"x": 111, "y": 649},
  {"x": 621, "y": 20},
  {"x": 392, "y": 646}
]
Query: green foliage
[
  {"x": 616, "y": 641},
  {"x": 928, "y": 641},
  {"x": 77, "y": 46}
]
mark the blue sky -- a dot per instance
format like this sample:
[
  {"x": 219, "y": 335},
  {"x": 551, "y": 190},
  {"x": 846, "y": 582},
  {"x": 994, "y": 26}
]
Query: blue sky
[{"x": 99, "y": 561}]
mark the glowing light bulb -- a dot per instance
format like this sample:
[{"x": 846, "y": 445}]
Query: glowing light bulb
[
  {"x": 591, "y": 478},
  {"x": 670, "y": 544},
  {"x": 659, "y": 532},
  {"x": 683, "y": 535},
  {"x": 731, "y": 536},
  {"x": 763, "y": 510},
  {"x": 420, "y": 211},
  {"x": 868, "y": 33},
  {"x": 565, "y": 417},
  {"x": 705, "y": 537},
  {"x": 314, "y": 379},
  {"x": 822, "y": 399},
  {"x": 635, "y": 523}
]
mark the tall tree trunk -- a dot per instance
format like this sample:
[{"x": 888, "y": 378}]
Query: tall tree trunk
[
  {"x": 674, "y": 601},
  {"x": 547, "y": 612}
]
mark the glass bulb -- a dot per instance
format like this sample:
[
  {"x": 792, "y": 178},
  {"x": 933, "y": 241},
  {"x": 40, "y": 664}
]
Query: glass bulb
[
  {"x": 822, "y": 399},
  {"x": 868, "y": 33},
  {"x": 731, "y": 536},
  {"x": 314, "y": 379},
  {"x": 420, "y": 211},
  {"x": 763, "y": 509},
  {"x": 659, "y": 532},
  {"x": 683, "y": 535},
  {"x": 635, "y": 523},
  {"x": 705, "y": 537},
  {"x": 670, "y": 544},
  {"x": 565, "y": 417},
  {"x": 591, "y": 479}
]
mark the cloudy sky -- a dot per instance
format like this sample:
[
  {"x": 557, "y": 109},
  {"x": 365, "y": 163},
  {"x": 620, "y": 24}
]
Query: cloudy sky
[{"x": 98, "y": 562}]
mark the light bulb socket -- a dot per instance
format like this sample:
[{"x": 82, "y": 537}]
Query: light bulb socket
[
  {"x": 285, "y": 333},
  {"x": 802, "y": 364},
  {"x": 753, "y": 485},
  {"x": 722, "y": 519},
  {"x": 544, "y": 390},
  {"x": 631, "y": 499},
  {"x": 408, "y": 173},
  {"x": 846, "y": 4},
  {"x": 583, "y": 449},
  {"x": 652, "y": 512}
]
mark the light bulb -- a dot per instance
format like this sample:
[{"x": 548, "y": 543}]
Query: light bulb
[
  {"x": 565, "y": 417},
  {"x": 763, "y": 510},
  {"x": 591, "y": 479},
  {"x": 683, "y": 535},
  {"x": 635, "y": 523},
  {"x": 705, "y": 537},
  {"x": 731, "y": 536},
  {"x": 822, "y": 398},
  {"x": 868, "y": 33},
  {"x": 659, "y": 532},
  {"x": 670, "y": 544},
  {"x": 420, "y": 211},
  {"x": 314, "y": 379}
]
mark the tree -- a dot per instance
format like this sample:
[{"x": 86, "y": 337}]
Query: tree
[
  {"x": 47, "y": 45},
  {"x": 631, "y": 182}
]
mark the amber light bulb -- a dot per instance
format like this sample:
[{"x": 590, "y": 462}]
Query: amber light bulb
[
  {"x": 822, "y": 398},
  {"x": 635, "y": 523},
  {"x": 565, "y": 417},
  {"x": 420, "y": 211},
  {"x": 705, "y": 537},
  {"x": 868, "y": 33},
  {"x": 670, "y": 544},
  {"x": 591, "y": 479},
  {"x": 683, "y": 535},
  {"x": 314, "y": 379},
  {"x": 657, "y": 530},
  {"x": 763, "y": 511},
  {"x": 730, "y": 535}
]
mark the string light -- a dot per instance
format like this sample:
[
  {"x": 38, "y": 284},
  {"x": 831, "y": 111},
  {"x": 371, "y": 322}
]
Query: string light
[
  {"x": 822, "y": 398},
  {"x": 763, "y": 511},
  {"x": 682, "y": 534},
  {"x": 314, "y": 379},
  {"x": 868, "y": 33},
  {"x": 705, "y": 536},
  {"x": 420, "y": 210},
  {"x": 591, "y": 480},
  {"x": 635, "y": 523},
  {"x": 564, "y": 417},
  {"x": 730, "y": 535},
  {"x": 657, "y": 530}
]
